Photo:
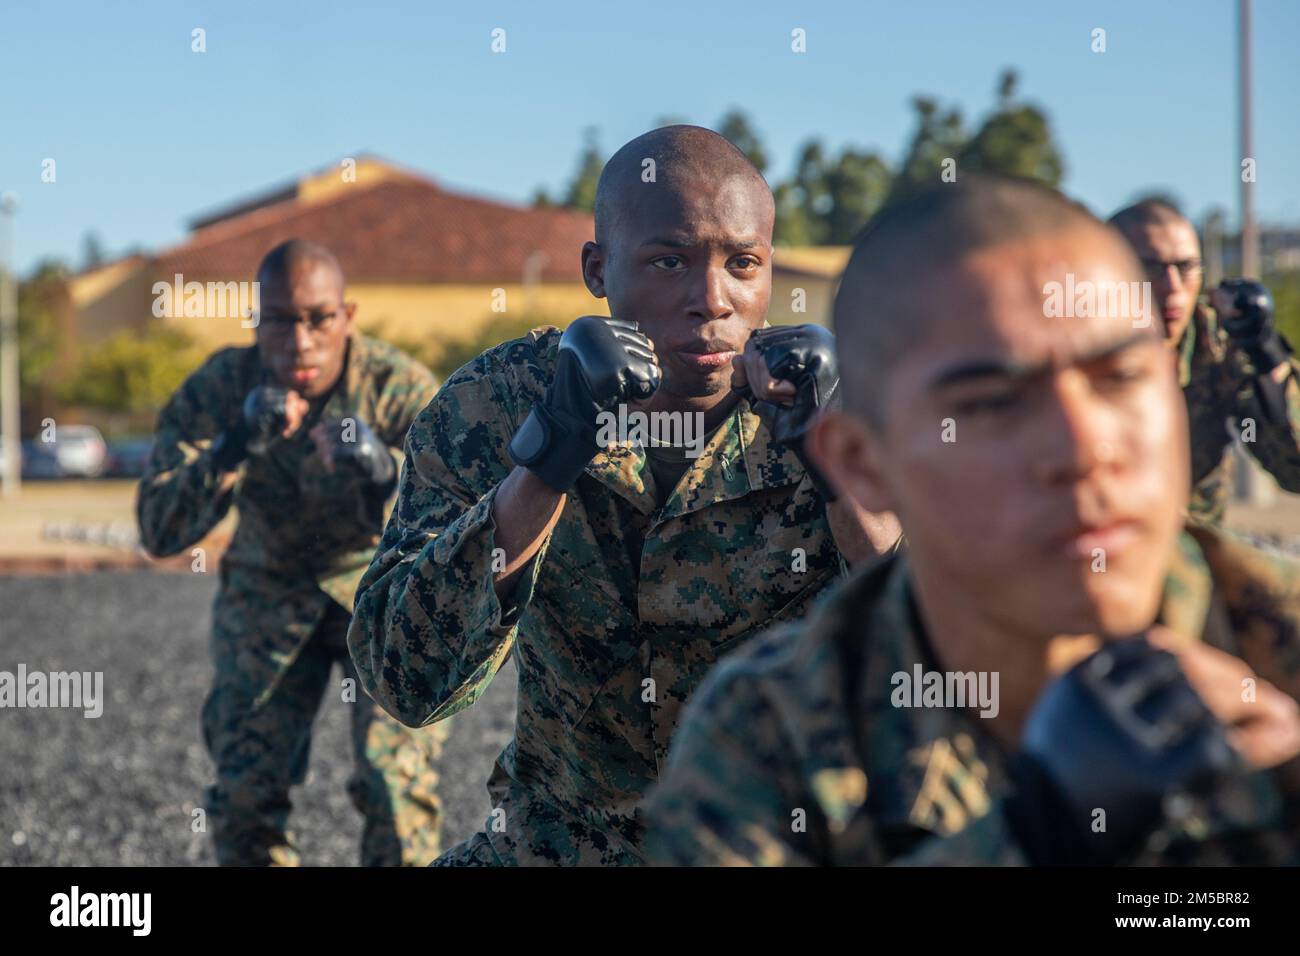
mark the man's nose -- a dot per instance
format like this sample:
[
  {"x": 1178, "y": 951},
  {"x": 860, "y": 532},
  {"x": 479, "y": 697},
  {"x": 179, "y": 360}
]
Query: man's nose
[
  {"x": 301, "y": 337},
  {"x": 1169, "y": 281},
  {"x": 709, "y": 295},
  {"x": 1081, "y": 437}
]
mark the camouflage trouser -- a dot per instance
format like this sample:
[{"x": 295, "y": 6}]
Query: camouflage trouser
[{"x": 261, "y": 751}]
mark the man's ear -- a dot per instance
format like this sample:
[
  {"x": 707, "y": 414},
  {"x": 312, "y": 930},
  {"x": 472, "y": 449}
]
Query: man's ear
[
  {"x": 593, "y": 269},
  {"x": 847, "y": 452},
  {"x": 349, "y": 311}
]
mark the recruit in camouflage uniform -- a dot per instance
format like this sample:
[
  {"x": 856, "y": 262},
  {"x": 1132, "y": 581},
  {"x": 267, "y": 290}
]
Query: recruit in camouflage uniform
[
  {"x": 613, "y": 625},
  {"x": 793, "y": 752},
  {"x": 1219, "y": 384},
  {"x": 304, "y": 537}
]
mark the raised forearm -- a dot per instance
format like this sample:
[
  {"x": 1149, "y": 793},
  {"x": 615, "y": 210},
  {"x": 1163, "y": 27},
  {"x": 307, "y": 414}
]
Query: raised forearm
[{"x": 525, "y": 511}]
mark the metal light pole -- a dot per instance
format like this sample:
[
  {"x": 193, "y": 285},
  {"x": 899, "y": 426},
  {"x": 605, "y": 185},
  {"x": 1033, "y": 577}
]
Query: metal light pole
[
  {"x": 1249, "y": 229},
  {"x": 9, "y": 418}
]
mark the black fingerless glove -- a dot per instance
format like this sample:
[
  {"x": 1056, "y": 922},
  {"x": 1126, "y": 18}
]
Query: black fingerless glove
[
  {"x": 805, "y": 356},
  {"x": 357, "y": 451},
  {"x": 1122, "y": 732},
  {"x": 1250, "y": 327},
  {"x": 601, "y": 363},
  {"x": 262, "y": 417}
]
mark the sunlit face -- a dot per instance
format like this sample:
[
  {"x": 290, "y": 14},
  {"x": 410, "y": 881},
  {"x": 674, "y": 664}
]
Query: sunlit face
[
  {"x": 691, "y": 263},
  {"x": 303, "y": 328},
  {"x": 1038, "y": 465},
  {"x": 1171, "y": 256}
]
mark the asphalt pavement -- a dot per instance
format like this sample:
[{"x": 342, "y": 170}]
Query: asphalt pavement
[{"x": 121, "y": 789}]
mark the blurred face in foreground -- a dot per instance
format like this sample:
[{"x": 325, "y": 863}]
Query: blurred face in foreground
[{"x": 1054, "y": 508}]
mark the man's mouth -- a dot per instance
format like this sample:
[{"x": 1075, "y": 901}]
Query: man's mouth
[
  {"x": 1084, "y": 542},
  {"x": 706, "y": 356},
  {"x": 303, "y": 375}
]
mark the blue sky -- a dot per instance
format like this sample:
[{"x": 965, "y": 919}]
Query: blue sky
[{"x": 146, "y": 133}]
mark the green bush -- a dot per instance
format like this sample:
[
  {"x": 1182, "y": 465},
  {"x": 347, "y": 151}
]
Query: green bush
[
  {"x": 445, "y": 357},
  {"x": 1285, "y": 287},
  {"x": 133, "y": 371}
]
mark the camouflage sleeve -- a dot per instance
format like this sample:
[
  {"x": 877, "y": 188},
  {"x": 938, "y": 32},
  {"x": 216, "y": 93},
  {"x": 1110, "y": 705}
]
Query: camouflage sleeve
[
  {"x": 428, "y": 632},
  {"x": 731, "y": 793},
  {"x": 735, "y": 794},
  {"x": 986, "y": 841},
  {"x": 1226, "y": 384},
  {"x": 1276, "y": 441},
  {"x": 181, "y": 497}
]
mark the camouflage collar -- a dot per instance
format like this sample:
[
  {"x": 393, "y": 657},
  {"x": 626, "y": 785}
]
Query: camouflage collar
[
  {"x": 932, "y": 769},
  {"x": 738, "y": 459},
  {"x": 344, "y": 398}
]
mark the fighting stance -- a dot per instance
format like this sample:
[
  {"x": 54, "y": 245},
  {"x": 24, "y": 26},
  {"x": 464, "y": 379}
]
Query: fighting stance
[
  {"x": 616, "y": 573},
  {"x": 295, "y": 434},
  {"x": 1052, "y": 671},
  {"x": 1233, "y": 365}
]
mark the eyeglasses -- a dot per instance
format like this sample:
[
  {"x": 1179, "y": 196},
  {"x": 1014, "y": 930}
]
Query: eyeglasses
[
  {"x": 282, "y": 323},
  {"x": 1185, "y": 267}
]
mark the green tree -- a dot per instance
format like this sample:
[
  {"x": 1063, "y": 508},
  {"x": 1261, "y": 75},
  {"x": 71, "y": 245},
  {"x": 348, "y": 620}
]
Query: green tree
[
  {"x": 857, "y": 186},
  {"x": 1016, "y": 140},
  {"x": 828, "y": 201},
  {"x": 736, "y": 128},
  {"x": 39, "y": 339},
  {"x": 581, "y": 193},
  {"x": 939, "y": 135},
  {"x": 803, "y": 202},
  {"x": 133, "y": 371}
]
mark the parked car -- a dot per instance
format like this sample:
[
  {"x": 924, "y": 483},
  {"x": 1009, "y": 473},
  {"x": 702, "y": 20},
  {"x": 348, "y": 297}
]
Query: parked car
[
  {"x": 78, "y": 451},
  {"x": 81, "y": 450},
  {"x": 40, "y": 461},
  {"x": 127, "y": 459}
]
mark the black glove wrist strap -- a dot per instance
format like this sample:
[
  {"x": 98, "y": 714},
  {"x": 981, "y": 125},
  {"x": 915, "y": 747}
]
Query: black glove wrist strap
[
  {"x": 231, "y": 446},
  {"x": 554, "y": 446}
]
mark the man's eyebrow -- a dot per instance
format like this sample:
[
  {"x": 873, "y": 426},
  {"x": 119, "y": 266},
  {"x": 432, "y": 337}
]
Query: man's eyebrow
[
  {"x": 980, "y": 368},
  {"x": 282, "y": 308},
  {"x": 672, "y": 242},
  {"x": 1007, "y": 368},
  {"x": 684, "y": 242}
]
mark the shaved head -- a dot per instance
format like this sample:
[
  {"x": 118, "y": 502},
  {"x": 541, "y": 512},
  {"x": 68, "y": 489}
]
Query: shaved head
[
  {"x": 683, "y": 248},
  {"x": 1147, "y": 212},
  {"x": 280, "y": 264},
  {"x": 884, "y": 301},
  {"x": 682, "y": 155}
]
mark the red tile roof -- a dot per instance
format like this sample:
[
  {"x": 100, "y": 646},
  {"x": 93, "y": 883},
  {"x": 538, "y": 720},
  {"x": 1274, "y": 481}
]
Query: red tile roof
[{"x": 404, "y": 230}]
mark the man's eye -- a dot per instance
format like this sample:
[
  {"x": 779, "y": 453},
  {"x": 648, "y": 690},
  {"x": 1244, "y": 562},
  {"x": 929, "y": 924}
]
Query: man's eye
[
  {"x": 999, "y": 403},
  {"x": 670, "y": 263},
  {"x": 1124, "y": 375},
  {"x": 745, "y": 263}
]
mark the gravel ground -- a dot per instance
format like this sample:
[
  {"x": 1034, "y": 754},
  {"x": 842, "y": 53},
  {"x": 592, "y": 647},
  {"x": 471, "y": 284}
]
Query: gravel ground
[{"x": 119, "y": 789}]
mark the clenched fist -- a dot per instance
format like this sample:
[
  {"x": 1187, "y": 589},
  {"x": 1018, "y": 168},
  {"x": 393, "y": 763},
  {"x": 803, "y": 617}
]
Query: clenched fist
[
  {"x": 268, "y": 412},
  {"x": 601, "y": 364},
  {"x": 795, "y": 376}
]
